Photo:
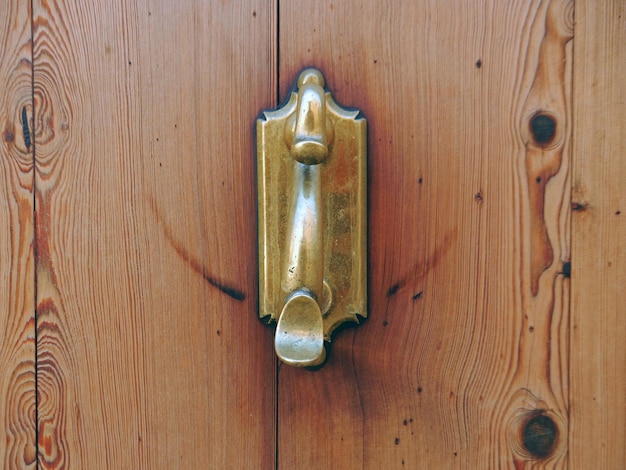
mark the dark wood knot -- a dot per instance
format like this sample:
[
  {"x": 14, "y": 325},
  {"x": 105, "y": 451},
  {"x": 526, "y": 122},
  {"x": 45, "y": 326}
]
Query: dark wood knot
[
  {"x": 543, "y": 129},
  {"x": 539, "y": 436}
]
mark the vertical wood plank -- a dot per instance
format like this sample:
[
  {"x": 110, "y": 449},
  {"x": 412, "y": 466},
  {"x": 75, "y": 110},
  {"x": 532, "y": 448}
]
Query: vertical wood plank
[
  {"x": 598, "y": 327},
  {"x": 463, "y": 362},
  {"x": 150, "y": 353},
  {"x": 17, "y": 276}
]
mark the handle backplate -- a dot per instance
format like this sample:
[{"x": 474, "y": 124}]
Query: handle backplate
[{"x": 343, "y": 181}]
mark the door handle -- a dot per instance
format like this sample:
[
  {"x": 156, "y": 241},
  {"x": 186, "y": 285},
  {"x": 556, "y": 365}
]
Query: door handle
[{"x": 311, "y": 160}]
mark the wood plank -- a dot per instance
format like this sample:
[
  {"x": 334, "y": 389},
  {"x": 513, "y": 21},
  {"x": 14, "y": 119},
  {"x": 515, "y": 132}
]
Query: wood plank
[
  {"x": 463, "y": 362},
  {"x": 18, "y": 447},
  {"x": 150, "y": 353},
  {"x": 598, "y": 324}
]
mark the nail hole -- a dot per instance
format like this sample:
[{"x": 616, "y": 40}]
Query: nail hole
[
  {"x": 567, "y": 269},
  {"x": 393, "y": 289},
  {"x": 543, "y": 129},
  {"x": 539, "y": 436}
]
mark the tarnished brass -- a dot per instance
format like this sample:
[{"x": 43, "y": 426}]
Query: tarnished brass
[{"x": 312, "y": 208}]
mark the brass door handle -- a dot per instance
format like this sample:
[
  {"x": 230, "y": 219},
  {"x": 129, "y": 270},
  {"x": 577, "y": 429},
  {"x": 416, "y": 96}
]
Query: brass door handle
[{"x": 312, "y": 220}]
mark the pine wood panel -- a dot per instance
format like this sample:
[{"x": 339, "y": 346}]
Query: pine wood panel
[
  {"x": 17, "y": 321},
  {"x": 463, "y": 362},
  {"x": 598, "y": 326},
  {"x": 150, "y": 354}
]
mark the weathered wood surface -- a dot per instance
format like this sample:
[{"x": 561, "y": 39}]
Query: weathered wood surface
[
  {"x": 598, "y": 323},
  {"x": 150, "y": 354},
  {"x": 17, "y": 320},
  {"x": 463, "y": 362}
]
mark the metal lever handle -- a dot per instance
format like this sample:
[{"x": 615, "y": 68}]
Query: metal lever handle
[
  {"x": 312, "y": 213},
  {"x": 299, "y": 337}
]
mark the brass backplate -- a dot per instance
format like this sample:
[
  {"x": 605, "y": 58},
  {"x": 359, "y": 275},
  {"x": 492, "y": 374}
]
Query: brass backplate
[{"x": 344, "y": 195}]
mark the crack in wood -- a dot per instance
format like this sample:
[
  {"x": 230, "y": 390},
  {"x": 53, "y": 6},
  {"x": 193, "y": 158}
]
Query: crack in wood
[
  {"x": 196, "y": 264},
  {"x": 25, "y": 129},
  {"x": 419, "y": 270}
]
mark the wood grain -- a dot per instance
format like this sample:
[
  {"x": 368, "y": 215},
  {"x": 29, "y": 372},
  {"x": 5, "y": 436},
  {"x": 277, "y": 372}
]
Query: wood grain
[
  {"x": 18, "y": 447},
  {"x": 463, "y": 362},
  {"x": 598, "y": 325},
  {"x": 150, "y": 354}
]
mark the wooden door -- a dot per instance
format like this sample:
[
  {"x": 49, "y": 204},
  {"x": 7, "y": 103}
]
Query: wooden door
[{"x": 496, "y": 236}]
